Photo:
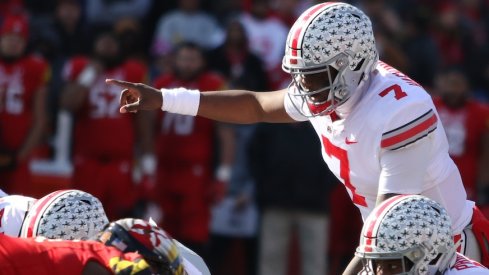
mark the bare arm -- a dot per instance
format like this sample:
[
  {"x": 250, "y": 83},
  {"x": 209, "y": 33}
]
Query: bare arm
[
  {"x": 144, "y": 128},
  {"x": 38, "y": 126},
  {"x": 73, "y": 96},
  {"x": 354, "y": 267},
  {"x": 244, "y": 107},
  {"x": 234, "y": 106},
  {"x": 227, "y": 144}
]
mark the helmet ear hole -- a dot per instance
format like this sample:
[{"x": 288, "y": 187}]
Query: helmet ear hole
[
  {"x": 359, "y": 65},
  {"x": 333, "y": 73},
  {"x": 436, "y": 209},
  {"x": 86, "y": 201},
  {"x": 435, "y": 260},
  {"x": 408, "y": 264}
]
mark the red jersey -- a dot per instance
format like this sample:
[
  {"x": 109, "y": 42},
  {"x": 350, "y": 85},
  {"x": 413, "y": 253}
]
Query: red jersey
[
  {"x": 185, "y": 138},
  {"x": 41, "y": 256},
  {"x": 19, "y": 82},
  {"x": 464, "y": 128},
  {"x": 101, "y": 131}
]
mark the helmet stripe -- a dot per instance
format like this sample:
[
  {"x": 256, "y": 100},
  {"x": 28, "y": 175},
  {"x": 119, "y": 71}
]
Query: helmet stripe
[
  {"x": 376, "y": 217},
  {"x": 302, "y": 21},
  {"x": 36, "y": 211}
]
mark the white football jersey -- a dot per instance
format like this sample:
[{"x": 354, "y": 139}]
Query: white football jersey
[
  {"x": 392, "y": 113},
  {"x": 13, "y": 210},
  {"x": 193, "y": 263},
  {"x": 2, "y": 194},
  {"x": 464, "y": 265}
]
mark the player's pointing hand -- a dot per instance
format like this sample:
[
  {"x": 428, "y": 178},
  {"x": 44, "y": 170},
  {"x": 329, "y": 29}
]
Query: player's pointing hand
[{"x": 137, "y": 96}]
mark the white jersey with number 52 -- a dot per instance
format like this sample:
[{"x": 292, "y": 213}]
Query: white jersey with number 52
[{"x": 393, "y": 113}]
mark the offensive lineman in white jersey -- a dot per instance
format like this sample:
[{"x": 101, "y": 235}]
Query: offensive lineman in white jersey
[
  {"x": 411, "y": 234},
  {"x": 379, "y": 129}
]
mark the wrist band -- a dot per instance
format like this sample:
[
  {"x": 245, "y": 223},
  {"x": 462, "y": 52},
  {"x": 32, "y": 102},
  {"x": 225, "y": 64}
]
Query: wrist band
[{"x": 181, "y": 101}]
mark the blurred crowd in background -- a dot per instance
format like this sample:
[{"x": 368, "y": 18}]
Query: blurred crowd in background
[{"x": 250, "y": 199}]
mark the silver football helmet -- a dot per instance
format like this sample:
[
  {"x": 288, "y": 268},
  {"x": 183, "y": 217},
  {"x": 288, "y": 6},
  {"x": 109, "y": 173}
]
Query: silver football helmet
[
  {"x": 65, "y": 214},
  {"x": 336, "y": 41},
  {"x": 412, "y": 229}
]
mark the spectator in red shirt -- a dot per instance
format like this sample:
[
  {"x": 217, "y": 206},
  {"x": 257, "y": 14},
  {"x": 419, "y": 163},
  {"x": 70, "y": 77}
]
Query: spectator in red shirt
[
  {"x": 23, "y": 119},
  {"x": 103, "y": 162},
  {"x": 466, "y": 123},
  {"x": 185, "y": 153}
]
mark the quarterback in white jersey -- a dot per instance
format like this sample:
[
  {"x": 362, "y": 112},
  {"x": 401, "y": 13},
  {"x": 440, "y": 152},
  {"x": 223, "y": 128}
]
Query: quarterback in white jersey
[
  {"x": 402, "y": 120},
  {"x": 411, "y": 234},
  {"x": 379, "y": 129}
]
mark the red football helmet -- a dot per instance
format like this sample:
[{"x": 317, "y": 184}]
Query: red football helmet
[{"x": 147, "y": 239}]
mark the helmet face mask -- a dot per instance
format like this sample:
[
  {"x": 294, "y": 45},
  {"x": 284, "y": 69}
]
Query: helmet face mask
[
  {"x": 116, "y": 236},
  {"x": 324, "y": 93},
  {"x": 400, "y": 263},
  {"x": 329, "y": 36},
  {"x": 390, "y": 266}
]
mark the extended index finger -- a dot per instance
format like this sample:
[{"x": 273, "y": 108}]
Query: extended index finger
[
  {"x": 126, "y": 97},
  {"x": 121, "y": 83}
]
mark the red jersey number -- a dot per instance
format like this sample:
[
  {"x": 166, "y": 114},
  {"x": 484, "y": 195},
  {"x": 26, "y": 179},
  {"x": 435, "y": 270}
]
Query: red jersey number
[
  {"x": 104, "y": 102},
  {"x": 11, "y": 99},
  {"x": 342, "y": 156},
  {"x": 398, "y": 92}
]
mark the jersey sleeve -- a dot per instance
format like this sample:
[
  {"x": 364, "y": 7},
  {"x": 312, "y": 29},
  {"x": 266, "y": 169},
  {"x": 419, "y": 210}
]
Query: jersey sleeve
[
  {"x": 405, "y": 143},
  {"x": 42, "y": 72},
  {"x": 190, "y": 268},
  {"x": 73, "y": 68},
  {"x": 402, "y": 171},
  {"x": 412, "y": 123},
  {"x": 193, "y": 263}
]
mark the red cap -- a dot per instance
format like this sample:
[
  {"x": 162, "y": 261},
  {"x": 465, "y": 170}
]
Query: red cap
[{"x": 16, "y": 24}]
